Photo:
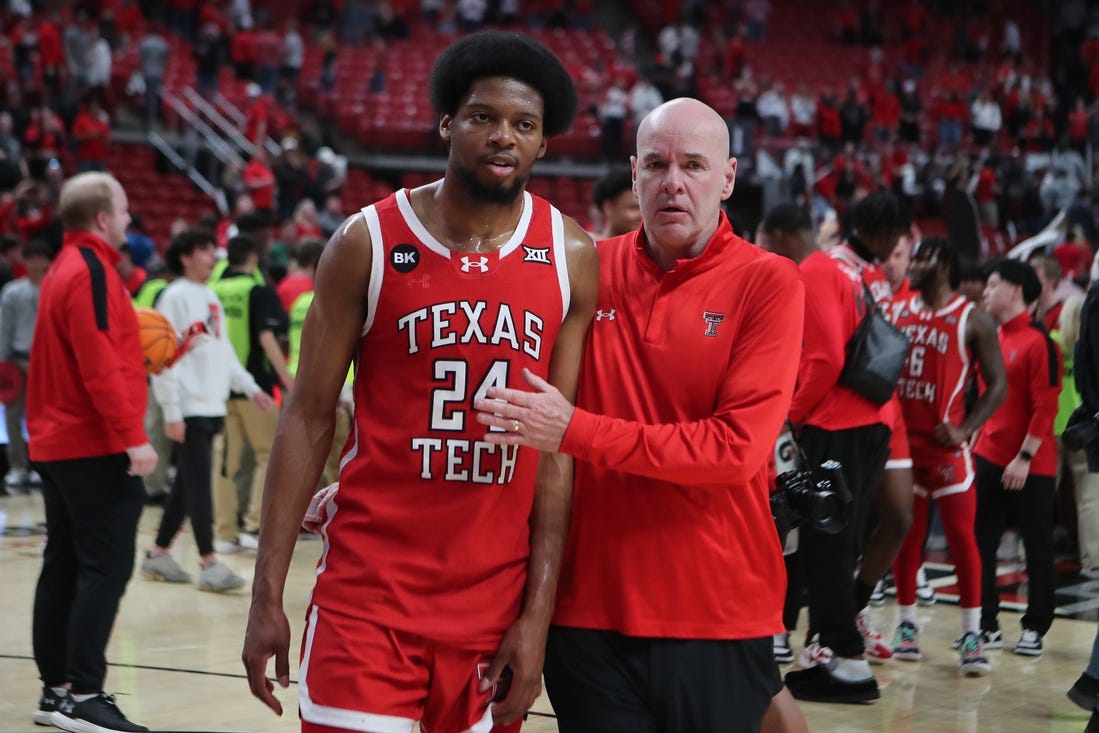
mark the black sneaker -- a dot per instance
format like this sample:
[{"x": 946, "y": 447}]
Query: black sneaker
[
  {"x": 48, "y": 708},
  {"x": 818, "y": 684},
  {"x": 1085, "y": 692},
  {"x": 97, "y": 714}
]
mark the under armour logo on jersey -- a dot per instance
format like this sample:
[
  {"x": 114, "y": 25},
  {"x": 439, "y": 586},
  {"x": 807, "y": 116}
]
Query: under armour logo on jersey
[
  {"x": 535, "y": 254},
  {"x": 712, "y": 319},
  {"x": 480, "y": 264},
  {"x": 601, "y": 314}
]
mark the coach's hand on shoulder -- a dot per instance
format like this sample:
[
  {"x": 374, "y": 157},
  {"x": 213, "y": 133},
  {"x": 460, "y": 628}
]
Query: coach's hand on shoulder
[
  {"x": 143, "y": 459},
  {"x": 267, "y": 635},
  {"x": 522, "y": 652}
]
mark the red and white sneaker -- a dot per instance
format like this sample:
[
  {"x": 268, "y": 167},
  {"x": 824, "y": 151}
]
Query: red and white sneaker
[
  {"x": 814, "y": 654},
  {"x": 878, "y": 650}
]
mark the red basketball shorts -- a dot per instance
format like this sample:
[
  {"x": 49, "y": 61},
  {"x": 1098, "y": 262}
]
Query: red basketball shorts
[
  {"x": 942, "y": 471},
  {"x": 359, "y": 676}
]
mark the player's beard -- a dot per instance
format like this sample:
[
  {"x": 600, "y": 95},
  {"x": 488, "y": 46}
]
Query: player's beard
[{"x": 500, "y": 195}]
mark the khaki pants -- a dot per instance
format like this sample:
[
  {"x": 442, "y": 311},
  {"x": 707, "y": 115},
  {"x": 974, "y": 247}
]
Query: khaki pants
[
  {"x": 1085, "y": 486},
  {"x": 339, "y": 438},
  {"x": 243, "y": 422}
]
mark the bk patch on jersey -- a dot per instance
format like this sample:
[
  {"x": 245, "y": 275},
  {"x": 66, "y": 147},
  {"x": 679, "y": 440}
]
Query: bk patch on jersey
[{"x": 404, "y": 258}]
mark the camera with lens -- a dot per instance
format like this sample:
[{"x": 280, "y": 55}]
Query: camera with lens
[
  {"x": 1082, "y": 429},
  {"x": 818, "y": 496}
]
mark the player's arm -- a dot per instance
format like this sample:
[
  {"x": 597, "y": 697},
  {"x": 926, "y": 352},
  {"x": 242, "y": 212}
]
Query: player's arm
[
  {"x": 523, "y": 647},
  {"x": 302, "y": 442},
  {"x": 982, "y": 340}
]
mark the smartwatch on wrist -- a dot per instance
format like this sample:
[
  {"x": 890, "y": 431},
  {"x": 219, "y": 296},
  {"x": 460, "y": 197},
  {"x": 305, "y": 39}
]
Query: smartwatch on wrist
[{"x": 1026, "y": 455}]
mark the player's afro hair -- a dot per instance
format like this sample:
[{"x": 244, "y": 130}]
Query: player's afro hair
[{"x": 497, "y": 53}]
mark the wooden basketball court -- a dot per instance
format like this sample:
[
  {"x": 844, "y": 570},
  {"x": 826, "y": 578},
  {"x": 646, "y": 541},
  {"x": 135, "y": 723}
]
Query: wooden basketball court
[{"x": 175, "y": 657}]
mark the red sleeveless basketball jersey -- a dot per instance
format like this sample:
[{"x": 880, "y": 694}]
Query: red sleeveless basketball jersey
[
  {"x": 932, "y": 386},
  {"x": 428, "y": 531}
]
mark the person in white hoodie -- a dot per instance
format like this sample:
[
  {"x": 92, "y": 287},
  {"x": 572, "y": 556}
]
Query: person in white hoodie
[{"x": 192, "y": 394}]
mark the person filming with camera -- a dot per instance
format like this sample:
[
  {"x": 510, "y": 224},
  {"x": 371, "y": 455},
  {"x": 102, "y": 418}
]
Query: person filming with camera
[{"x": 834, "y": 422}]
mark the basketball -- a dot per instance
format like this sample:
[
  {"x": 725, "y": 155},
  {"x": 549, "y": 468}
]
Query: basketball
[{"x": 159, "y": 339}]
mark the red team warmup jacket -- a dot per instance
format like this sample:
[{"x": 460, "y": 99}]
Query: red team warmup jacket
[
  {"x": 86, "y": 385},
  {"x": 834, "y": 308},
  {"x": 671, "y": 532},
  {"x": 428, "y": 532},
  {"x": 1034, "y": 368}
]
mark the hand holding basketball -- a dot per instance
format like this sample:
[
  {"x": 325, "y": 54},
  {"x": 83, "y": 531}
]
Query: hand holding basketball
[{"x": 159, "y": 339}]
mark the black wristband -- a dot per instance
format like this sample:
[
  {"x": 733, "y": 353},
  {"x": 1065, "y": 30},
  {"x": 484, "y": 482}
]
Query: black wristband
[{"x": 1026, "y": 455}]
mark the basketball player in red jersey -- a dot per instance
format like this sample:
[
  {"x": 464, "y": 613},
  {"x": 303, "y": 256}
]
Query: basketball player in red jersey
[
  {"x": 672, "y": 584},
  {"x": 442, "y": 550},
  {"x": 946, "y": 334}
]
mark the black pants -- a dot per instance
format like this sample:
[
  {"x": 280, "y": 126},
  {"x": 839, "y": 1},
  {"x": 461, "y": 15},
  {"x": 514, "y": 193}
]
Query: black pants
[
  {"x": 828, "y": 560},
  {"x": 192, "y": 493},
  {"x": 605, "y": 682},
  {"x": 92, "y": 508},
  {"x": 1031, "y": 510}
]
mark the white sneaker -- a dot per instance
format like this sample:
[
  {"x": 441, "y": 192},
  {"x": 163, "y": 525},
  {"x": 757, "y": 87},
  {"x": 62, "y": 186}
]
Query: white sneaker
[
  {"x": 16, "y": 478},
  {"x": 222, "y": 547},
  {"x": 218, "y": 578},
  {"x": 163, "y": 567},
  {"x": 248, "y": 541}
]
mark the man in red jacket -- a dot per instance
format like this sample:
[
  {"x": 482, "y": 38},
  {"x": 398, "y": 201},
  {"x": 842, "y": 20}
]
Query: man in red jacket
[
  {"x": 672, "y": 568},
  {"x": 86, "y": 397},
  {"x": 834, "y": 422},
  {"x": 1016, "y": 456}
]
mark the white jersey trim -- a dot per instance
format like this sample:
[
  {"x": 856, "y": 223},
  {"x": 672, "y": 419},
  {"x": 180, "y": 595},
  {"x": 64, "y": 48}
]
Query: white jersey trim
[
  {"x": 330, "y": 509},
  {"x": 340, "y": 717},
  {"x": 404, "y": 205},
  {"x": 484, "y": 725},
  {"x": 377, "y": 266},
  {"x": 963, "y": 351},
  {"x": 895, "y": 464},
  {"x": 558, "y": 227}
]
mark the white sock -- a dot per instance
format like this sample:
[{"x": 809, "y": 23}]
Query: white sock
[
  {"x": 60, "y": 691},
  {"x": 850, "y": 670},
  {"x": 907, "y": 613},
  {"x": 82, "y": 698},
  {"x": 971, "y": 620}
]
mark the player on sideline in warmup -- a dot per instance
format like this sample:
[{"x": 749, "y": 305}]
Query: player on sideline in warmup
[
  {"x": 86, "y": 395},
  {"x": 672, "y": 585},
  {"x": 946, "y": 333},
  {"x": 442, "y": 550}
]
